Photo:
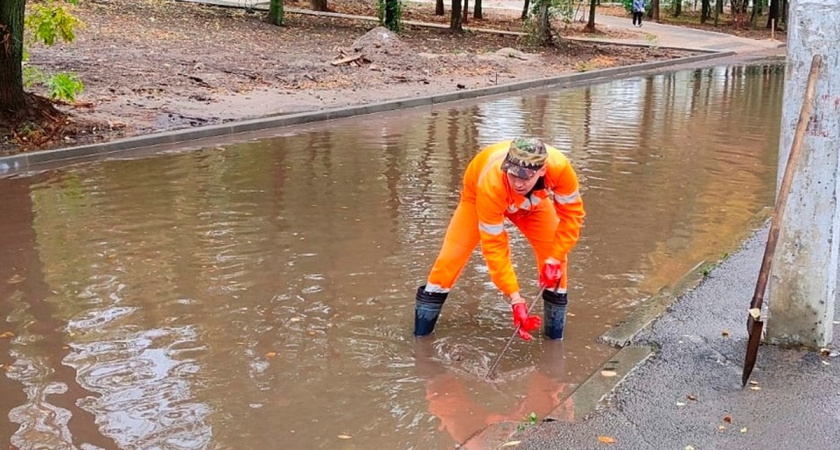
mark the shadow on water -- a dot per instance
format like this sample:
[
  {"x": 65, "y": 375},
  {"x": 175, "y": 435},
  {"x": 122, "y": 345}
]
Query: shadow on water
[{"x": 259, "y": 293}]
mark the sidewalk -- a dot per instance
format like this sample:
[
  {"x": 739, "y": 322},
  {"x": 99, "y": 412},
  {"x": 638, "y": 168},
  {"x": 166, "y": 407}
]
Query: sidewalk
[{"x": 689, "y": 394}]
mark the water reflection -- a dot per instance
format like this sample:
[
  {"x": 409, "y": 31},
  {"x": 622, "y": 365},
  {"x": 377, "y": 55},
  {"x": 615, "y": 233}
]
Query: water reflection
[{"x": 262, "y": 293}]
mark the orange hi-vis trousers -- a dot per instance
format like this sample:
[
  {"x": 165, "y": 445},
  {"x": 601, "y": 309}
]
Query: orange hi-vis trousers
[{"x": 538, "y": 225}]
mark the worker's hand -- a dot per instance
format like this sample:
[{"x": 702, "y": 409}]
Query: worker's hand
[
  {"x": 551, "y": 273},
  {"x": 525, "y": 322}
]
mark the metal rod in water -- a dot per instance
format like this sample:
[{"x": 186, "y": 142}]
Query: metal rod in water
[{"x": 498, "y": 359}]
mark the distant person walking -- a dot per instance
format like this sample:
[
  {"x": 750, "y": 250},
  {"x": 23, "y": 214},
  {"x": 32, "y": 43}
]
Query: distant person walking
[{"x": 638, "y": 11}]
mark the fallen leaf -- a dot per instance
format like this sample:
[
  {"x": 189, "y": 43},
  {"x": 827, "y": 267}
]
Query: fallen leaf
[
  {"x": 688, "y": 447},
  {"x": 727, "y": 418},
  {"x": 755, "y": 313},
  {"x": 753, "y": 383},
  {"x": 295, "y": 319},
  {"x": 15, "y": 279},
  {"x": 725, "y": 333},
  {"x": 825, "y": 352},
  {"x": 680, "y": 404},
  {"x": 606, "y": 440},
  {"x": 744, "y": 430},
  {"x": 755, "y": 388},
  {"x": 511, "y": 443},
  {"x": 7, "y": 334},
  {"x": 271, "y": 354},
  {"x": 608, "y": 373},
  {"x": 344, "y": 436},
  {"x": 691, "y": 397},
  {"x": 721, "y": 428}
]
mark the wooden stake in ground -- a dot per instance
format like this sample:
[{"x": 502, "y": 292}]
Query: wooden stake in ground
[{"x": 754, "y": 325}]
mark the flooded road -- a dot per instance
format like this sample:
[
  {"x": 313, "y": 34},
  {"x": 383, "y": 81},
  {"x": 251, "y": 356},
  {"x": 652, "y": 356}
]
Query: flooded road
[{"x": 261, "y": 295}]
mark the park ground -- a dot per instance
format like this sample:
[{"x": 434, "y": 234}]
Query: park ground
[{"x": 157, "y": 65}]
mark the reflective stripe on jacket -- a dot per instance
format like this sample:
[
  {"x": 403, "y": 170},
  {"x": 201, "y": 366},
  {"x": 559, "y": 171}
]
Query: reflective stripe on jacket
[{"x": 487, "y": 187}]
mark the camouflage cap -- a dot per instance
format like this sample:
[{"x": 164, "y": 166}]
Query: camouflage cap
[{"x": 525, "y": 157}]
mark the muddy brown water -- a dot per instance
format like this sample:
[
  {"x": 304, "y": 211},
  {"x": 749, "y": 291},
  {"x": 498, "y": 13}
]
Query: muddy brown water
[{"x": 260, "y": 295}]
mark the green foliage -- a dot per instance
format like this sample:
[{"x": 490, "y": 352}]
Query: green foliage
[
  {"x": 395, "y": 24},
  {"x": 50, "y": 22},
  {"x": 64, "y": 86},
  {"x": 276, "y": 12},
  {"x": 528, "y": 421}
]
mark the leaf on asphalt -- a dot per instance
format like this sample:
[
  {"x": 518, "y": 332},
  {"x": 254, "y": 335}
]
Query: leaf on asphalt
[
  {"x": 744, "y": 430},
  {"x": 725, "y": 333},
  {"x": 825, "y": 352},
  {"x": 680, "y": 404},
  {"x": 755, "y": 388},
  {"x": 608, "y": 373},
  {"x": 721, "y": 428},
  {"x": 691, "y": 397},
  {"x": 511, "y": 443},
  {"x": 727, "y": 418},
  {"x": 689, "y": 447},
  {"x": 271, "y": 354},
  {"x": 753, "y": 383},
  {"x": 606, "y": 440},
  {"x": 755, "y": 313}
]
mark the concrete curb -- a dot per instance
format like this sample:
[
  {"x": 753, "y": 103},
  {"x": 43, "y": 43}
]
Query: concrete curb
[{"x": 33, "y": 160}]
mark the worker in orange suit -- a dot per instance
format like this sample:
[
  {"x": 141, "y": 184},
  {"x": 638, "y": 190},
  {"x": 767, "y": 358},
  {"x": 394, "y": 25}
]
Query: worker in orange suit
[{"x": 535, "y": 187}]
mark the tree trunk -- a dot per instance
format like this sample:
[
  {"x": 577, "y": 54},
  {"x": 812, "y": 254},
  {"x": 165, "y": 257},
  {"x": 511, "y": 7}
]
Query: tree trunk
[
  {"x": 392, "y": 19},
  {"x": 718, "y": 10},
  {"x": 591, "y": 24},
  {"x": 478, "y": 14},
  {"x": 773, "y": 14},
  {"x": 654, "y": 8},
  {"x": 275, "y": 12},
  {"x": 465, "y": 19},
  {"x": 705, "y": 10},
  {"x": 677, "y": 8},
  {"x": 318, "y": 5},
  {"x": 784, "y": 13},
  {"x": 758, "y": 6},
  {"x": 544, "y": 24},
  {"x": 455, "y": 17},
  {"x": 11, "y": 55},
  {"x": 525, "y": 9},
  {"x": 439, "y": 8}
]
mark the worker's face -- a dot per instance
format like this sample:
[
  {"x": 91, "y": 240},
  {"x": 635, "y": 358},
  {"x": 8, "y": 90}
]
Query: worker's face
[{"x": 524, "y": 185}]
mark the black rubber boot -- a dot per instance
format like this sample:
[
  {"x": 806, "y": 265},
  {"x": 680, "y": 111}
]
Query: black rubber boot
[
  {"x": 427, "y": 310},
  {"x": 555, "y": 314}
]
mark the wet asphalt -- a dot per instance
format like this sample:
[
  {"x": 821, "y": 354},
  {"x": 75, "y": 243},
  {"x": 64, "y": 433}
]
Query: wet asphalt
[{"x": 689, "y": 394}]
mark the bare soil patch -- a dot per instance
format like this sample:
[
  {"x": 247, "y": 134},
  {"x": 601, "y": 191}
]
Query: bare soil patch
[{"x": 154, "y": 65}]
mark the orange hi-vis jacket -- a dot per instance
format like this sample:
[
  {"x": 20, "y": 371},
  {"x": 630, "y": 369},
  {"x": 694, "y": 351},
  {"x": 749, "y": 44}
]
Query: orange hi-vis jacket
[{"x": 487, "y": 187}]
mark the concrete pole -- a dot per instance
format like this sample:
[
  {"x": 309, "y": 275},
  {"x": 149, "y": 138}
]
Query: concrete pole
[{"x": 803, "y": 279}]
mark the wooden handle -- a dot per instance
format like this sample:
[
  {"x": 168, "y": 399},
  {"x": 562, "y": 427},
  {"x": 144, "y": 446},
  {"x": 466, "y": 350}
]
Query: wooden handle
[{"x": 787, "y": 179}]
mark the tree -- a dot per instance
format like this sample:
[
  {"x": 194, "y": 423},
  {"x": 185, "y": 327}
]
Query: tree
[
  {"x": 276, "y": 14},
  {"x": 677, "y": 8},
  {"x": 393, "y": 15},
  {"x": 455, "y": 17},
  {"x": 439, "y": 8},
  {"x": 477, "y": 12},
  {"x": 11, "y": 55},
  {"x": 705, "y": 10},
  {"x": 318, "y": 5},
  {"x": 654, "y": 10},
  {"x": 591, "y": 24}
]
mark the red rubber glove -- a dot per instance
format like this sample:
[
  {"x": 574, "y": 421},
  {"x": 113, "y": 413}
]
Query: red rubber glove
[
  {"x": 551, "y": 273},
  {"x": 525, "y": 322}
]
